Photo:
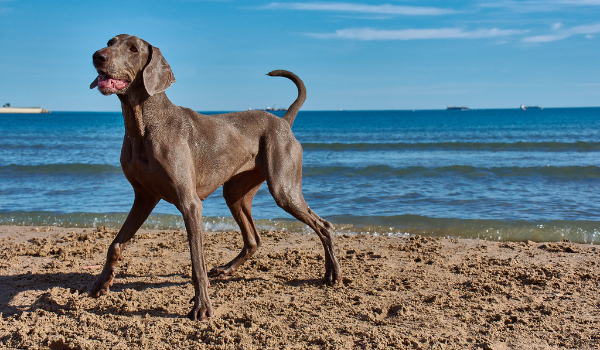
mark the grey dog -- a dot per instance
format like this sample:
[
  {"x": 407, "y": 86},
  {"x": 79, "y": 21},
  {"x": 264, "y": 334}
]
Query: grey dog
[{"x": 181, "y": 156}]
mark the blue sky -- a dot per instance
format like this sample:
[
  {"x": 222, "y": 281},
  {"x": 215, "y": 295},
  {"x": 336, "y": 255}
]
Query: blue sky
[{"x": 394, "y": 54}]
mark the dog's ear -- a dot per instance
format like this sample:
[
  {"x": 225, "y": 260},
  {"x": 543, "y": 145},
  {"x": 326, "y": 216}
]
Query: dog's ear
[
  {"x": 94, "y": 83},
  {"x": 157, "y": 74}
]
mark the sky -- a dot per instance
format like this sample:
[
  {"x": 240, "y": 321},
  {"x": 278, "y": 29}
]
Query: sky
[{"x": 351, "y": 55}]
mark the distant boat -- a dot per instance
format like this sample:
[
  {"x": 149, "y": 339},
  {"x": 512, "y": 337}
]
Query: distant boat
[
  {"x": 274, "y": 109},
  {"x": 523, "y": 107},
  {"x": 268, "y": 109},
  {"x": 460, "y": 108},
  {"x": 22, "y": 110}
]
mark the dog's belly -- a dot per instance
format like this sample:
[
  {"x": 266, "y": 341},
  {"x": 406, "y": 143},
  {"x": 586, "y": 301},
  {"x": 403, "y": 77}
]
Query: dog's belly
[{"x": 168, "y": 176}]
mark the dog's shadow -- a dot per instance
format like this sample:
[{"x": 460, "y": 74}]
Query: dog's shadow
[
  {"x": 41, "y": 284},
  {"x": 14, "y": 299},
  {"x": 304, "y": 282},
  {"x": 291, "y": 283}
]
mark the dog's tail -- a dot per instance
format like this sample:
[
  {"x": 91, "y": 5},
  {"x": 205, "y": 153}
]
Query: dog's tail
[{"x": 290, "y": 115}]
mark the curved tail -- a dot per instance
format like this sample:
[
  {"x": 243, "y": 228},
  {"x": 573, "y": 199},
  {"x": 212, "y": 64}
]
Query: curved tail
[{"x": 290, "y": 115}]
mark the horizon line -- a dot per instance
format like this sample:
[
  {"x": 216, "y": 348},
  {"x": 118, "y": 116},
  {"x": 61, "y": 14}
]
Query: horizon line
[{"x": 338, "y": 110}]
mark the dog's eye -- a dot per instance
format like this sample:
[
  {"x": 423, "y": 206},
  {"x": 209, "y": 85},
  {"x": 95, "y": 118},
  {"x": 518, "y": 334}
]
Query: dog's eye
[{"x": 133, "y": 49}]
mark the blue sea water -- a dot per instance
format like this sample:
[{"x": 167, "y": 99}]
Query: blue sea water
[{"x": 503, "y": 174}]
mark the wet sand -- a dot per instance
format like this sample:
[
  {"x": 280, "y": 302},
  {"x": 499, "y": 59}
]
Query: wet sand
[{"x": 416, "y": 293}]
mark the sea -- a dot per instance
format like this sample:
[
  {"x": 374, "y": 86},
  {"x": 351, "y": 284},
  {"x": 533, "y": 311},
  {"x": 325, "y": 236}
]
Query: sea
[{"x": 493, "y": 174}]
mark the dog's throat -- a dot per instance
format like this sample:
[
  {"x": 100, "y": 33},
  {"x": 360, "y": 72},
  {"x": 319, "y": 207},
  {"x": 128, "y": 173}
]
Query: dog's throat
[
  {"x": 139, "y": 120},
  {"x": 134, "y": 121}
]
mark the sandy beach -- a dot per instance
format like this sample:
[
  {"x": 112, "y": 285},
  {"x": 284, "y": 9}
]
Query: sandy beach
[{"x": 416, "y": 293}]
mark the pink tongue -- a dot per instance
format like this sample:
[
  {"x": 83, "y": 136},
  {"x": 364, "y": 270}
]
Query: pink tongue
[{"x": 116, "y": 84}]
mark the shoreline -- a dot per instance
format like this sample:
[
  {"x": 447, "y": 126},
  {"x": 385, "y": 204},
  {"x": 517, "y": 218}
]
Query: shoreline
[
  {"x": 411, "y": 292},
  {"x": 577, "y": 231}
]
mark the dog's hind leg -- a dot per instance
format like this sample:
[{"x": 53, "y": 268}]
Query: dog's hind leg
[
  {"x": 143, "y": 205},
  {"x": 239, "y": 192},
  {"x": 324, "y": 229},
  {"x": 285, "y": 184}
]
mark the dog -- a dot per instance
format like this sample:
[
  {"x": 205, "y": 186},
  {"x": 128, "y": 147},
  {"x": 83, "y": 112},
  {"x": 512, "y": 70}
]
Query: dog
[{"x": 178, "y": 155}]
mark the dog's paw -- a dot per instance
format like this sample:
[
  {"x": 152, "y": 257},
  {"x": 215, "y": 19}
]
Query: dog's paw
[
  {"x": 201, "y": 312},
  {"x": 97, "y": 292},
  {"x": 103, "y": 284},
  {"x": 221, "y": 271},
  {"x": 332, "y": 276}
]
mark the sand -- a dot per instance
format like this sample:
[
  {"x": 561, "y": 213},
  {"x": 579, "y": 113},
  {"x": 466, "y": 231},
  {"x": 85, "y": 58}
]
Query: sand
[{"x": 415, "y": 293}]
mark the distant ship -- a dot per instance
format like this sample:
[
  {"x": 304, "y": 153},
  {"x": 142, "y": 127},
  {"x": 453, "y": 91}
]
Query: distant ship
[
  {"x": 269, "y": 109},
  {"x": 275, "y": 109},
  {"x": 523, "y": 107},
  {"x": 22, "y": 110},
  {"x": 460, "y": 108}
]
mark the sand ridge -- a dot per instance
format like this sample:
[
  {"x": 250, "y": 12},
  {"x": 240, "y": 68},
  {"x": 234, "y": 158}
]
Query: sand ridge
[{"x": 414, "y": 293}]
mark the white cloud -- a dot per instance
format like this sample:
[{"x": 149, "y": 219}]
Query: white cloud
[
  {"x": 415, "y": 34},
  {"x": 580, "y": 2},
  {"x": 561, "y": 34},
  {"x": 538, "y": 5},
  {"x": 556, "y": 26},
  {"x": 544, "y": 38},
  {"x": 386, "y": 9}
]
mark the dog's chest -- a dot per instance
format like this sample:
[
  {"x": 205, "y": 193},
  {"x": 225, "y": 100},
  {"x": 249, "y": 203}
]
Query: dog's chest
[{"x": 135, "y": 161}]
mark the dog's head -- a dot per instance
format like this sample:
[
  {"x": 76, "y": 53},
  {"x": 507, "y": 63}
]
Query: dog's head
[{"x": 129, "y": 60}]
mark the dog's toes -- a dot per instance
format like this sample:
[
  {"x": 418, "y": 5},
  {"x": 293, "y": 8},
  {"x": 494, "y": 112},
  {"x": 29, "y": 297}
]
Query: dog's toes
[
  {"x": 328, "y": 281},
  {"x": 97, "y": 292},
  {"x": 332, "y": 277},
  {"x": 198, "y": 316},
  {"x": 201, "y": 314},
  {"x": 213, "y": 273},
  {"x": 220, "y": 271},
  {"x": 103, "y": 284}
]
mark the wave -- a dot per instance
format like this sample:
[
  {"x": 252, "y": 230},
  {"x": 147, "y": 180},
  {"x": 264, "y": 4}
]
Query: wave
[
  {"x": 399, "y": 225},
  {"x": 579, "y": 146},
  {"x": 492, "y": 230},
  {"x": 154, "y": 221},
  {"x": 63, "y": 169},
  {"x": 573, "y": 172}
]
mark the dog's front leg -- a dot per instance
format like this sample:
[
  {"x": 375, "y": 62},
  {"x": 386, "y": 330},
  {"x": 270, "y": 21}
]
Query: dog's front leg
[
  {"x": 143, "y": 205},
  {"x": 192, "y": 215}
]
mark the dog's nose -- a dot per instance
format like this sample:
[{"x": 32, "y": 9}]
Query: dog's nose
[{"x": 100, "y": 56}]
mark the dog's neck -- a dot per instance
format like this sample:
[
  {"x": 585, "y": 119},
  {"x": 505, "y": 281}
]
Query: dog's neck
[{"x": 140, "y": 112}]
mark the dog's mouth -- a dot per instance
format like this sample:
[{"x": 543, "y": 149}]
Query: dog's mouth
[{"x": 110, "y": 85}]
